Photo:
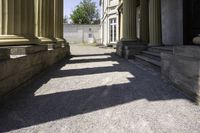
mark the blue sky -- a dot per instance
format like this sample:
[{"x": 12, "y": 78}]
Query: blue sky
[{"x": 69, "y": 5}]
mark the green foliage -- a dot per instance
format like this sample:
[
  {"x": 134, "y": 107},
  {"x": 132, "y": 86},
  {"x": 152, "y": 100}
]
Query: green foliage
[
  {"x": 66, "y": 20},
  {"x": 85, "y": 13}
]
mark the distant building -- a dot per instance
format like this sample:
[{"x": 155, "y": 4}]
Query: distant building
[
  {"x": 109, "y": 22},
  {"x": 82, "y": 33}
]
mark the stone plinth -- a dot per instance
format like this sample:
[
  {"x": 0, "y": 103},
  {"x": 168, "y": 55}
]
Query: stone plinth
[
  {"x": 183, "y": 69},
  {"x": 18, "y": 71},
  {"x": 129, "y": 49},
  {"x": 26, "y": 49},
  {"x": 54, "y": 46},
  {"x": 4, "y": 54}
]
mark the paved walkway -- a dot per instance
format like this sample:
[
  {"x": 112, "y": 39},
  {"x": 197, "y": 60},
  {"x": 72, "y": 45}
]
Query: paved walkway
[{"x": 98, "y": 92}]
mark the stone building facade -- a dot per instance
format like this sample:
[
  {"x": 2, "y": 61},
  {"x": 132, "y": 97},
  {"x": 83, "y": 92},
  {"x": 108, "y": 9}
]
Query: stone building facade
[
  {"x": 168, "y": 38},
  {"x": 31, "y": 40},
  {"x": 109, "y": 22}
]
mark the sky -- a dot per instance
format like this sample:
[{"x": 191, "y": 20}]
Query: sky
[{"x": 69, "y": 5}]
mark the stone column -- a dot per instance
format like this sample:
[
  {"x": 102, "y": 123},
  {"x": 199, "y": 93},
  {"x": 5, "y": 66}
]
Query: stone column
[
  {"x": 155, "y": 23},
  {"x": 17, "y": 22},
  {"x": 44, "y": 10},
  {"x": 129, "y": 20},
  {"x": 58, "y": 20},
  {"x": 144, "y": 21}
]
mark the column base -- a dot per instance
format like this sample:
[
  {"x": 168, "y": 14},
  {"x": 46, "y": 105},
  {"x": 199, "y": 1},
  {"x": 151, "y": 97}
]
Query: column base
[
  {"x": 45, "y": 40},
  {"x": 52, "y": 46},
  {"x": 128, "y": 49},
  {"x": 26, "y": 49},
  {"x": 6, "y": 40}
]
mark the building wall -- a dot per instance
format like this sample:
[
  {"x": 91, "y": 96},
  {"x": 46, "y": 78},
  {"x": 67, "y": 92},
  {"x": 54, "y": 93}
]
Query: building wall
[
  {"x": 172, "y": 22},
  {"x": 82, "y": 33},
  {"x": 108, "y": 11}
]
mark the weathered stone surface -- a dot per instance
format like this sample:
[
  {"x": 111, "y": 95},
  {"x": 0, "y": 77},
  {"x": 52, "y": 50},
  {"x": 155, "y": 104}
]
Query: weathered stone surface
[
  {"x": 14, "y": 72},
  {"x": 165, "y": 64},
  {"x": 183, "y": 69},
  {"x": 128, "y": 49},
  {"x": 188, "y": 51},
  {"x": 131, "y": 51},
  {"x": 54, "y": 46},
  {"x": 27, "y": 49},
  {"x": 4, "y": 53}
]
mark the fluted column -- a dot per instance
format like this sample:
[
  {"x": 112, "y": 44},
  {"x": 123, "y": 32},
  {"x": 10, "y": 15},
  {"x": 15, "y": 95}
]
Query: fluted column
[
  {"x": 45, "y": 20},
  {"x": 129, "y": 20},
  {"x": 58, "y": 20},
  {"x": 155, "y": 22},
  {"x": 121, "y": 26},
  {"x": 144, "y": 21},
  {"x": 17, "y": 22}
]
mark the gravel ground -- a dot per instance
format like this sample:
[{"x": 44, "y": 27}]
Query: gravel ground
[{"x": 98, "y": 92}]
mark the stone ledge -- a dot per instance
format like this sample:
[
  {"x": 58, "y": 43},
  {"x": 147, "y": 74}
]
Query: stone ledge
[
  {"x": 188, "y": 51},
  {"x": 4, "y": 54},
  {"x": 54, "y": 46},
  {"x": 26, "y": 49},
  {"x": 17, "y": 71},
  {"x": 183, "y": 70}
]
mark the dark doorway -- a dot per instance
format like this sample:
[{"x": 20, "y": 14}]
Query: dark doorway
[{"x": 191, "y": 20}]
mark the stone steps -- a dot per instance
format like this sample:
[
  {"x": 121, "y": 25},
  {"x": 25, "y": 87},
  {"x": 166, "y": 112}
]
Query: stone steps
[
  {"x": 152, "y": 56},
  {"x": 148, "y": 61}
]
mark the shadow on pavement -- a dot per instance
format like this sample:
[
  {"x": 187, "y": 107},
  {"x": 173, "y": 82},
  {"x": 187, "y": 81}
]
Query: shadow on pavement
[{"x": 25, "y": 109}]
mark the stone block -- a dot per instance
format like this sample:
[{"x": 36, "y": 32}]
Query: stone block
[
  {"x": 185, "y": 73},
  {"x": 26, "y": 49},
  {"x": 131, "y": 51},
  {"x": 165, "y": 64},
  {"x": 4, "y": 54},
  {"x": 54, "y": 46},
  {"x": 14, "y": 72},
  {"x": 128, "y": 49},
  {"x": 183, "y": 69},
  {"x": 188, "y": 51}
]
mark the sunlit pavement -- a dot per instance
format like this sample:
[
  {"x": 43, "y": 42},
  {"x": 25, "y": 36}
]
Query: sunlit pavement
[{"x": 98, "y": 92}]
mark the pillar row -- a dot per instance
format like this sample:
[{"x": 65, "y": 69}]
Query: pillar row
[
  {"x": 129, "y": 20},
  {"x": 155, "y": 22},
  {"x": 17, "y": 22},
  {"x": 144, "y": 21},
  {"x": 58, "y": 20},
  {"x": 44, "y": 10}
]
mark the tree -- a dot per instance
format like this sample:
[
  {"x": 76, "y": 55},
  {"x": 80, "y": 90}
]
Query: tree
[
  {"x": 85, "y": 13},
  {"x": 66, "y": 20}
]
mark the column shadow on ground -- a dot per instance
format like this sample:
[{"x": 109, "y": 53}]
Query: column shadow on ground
[{"x": 25, "y": 109}]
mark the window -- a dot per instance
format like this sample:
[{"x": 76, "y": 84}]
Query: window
[{"x": 113, "y": 30}]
